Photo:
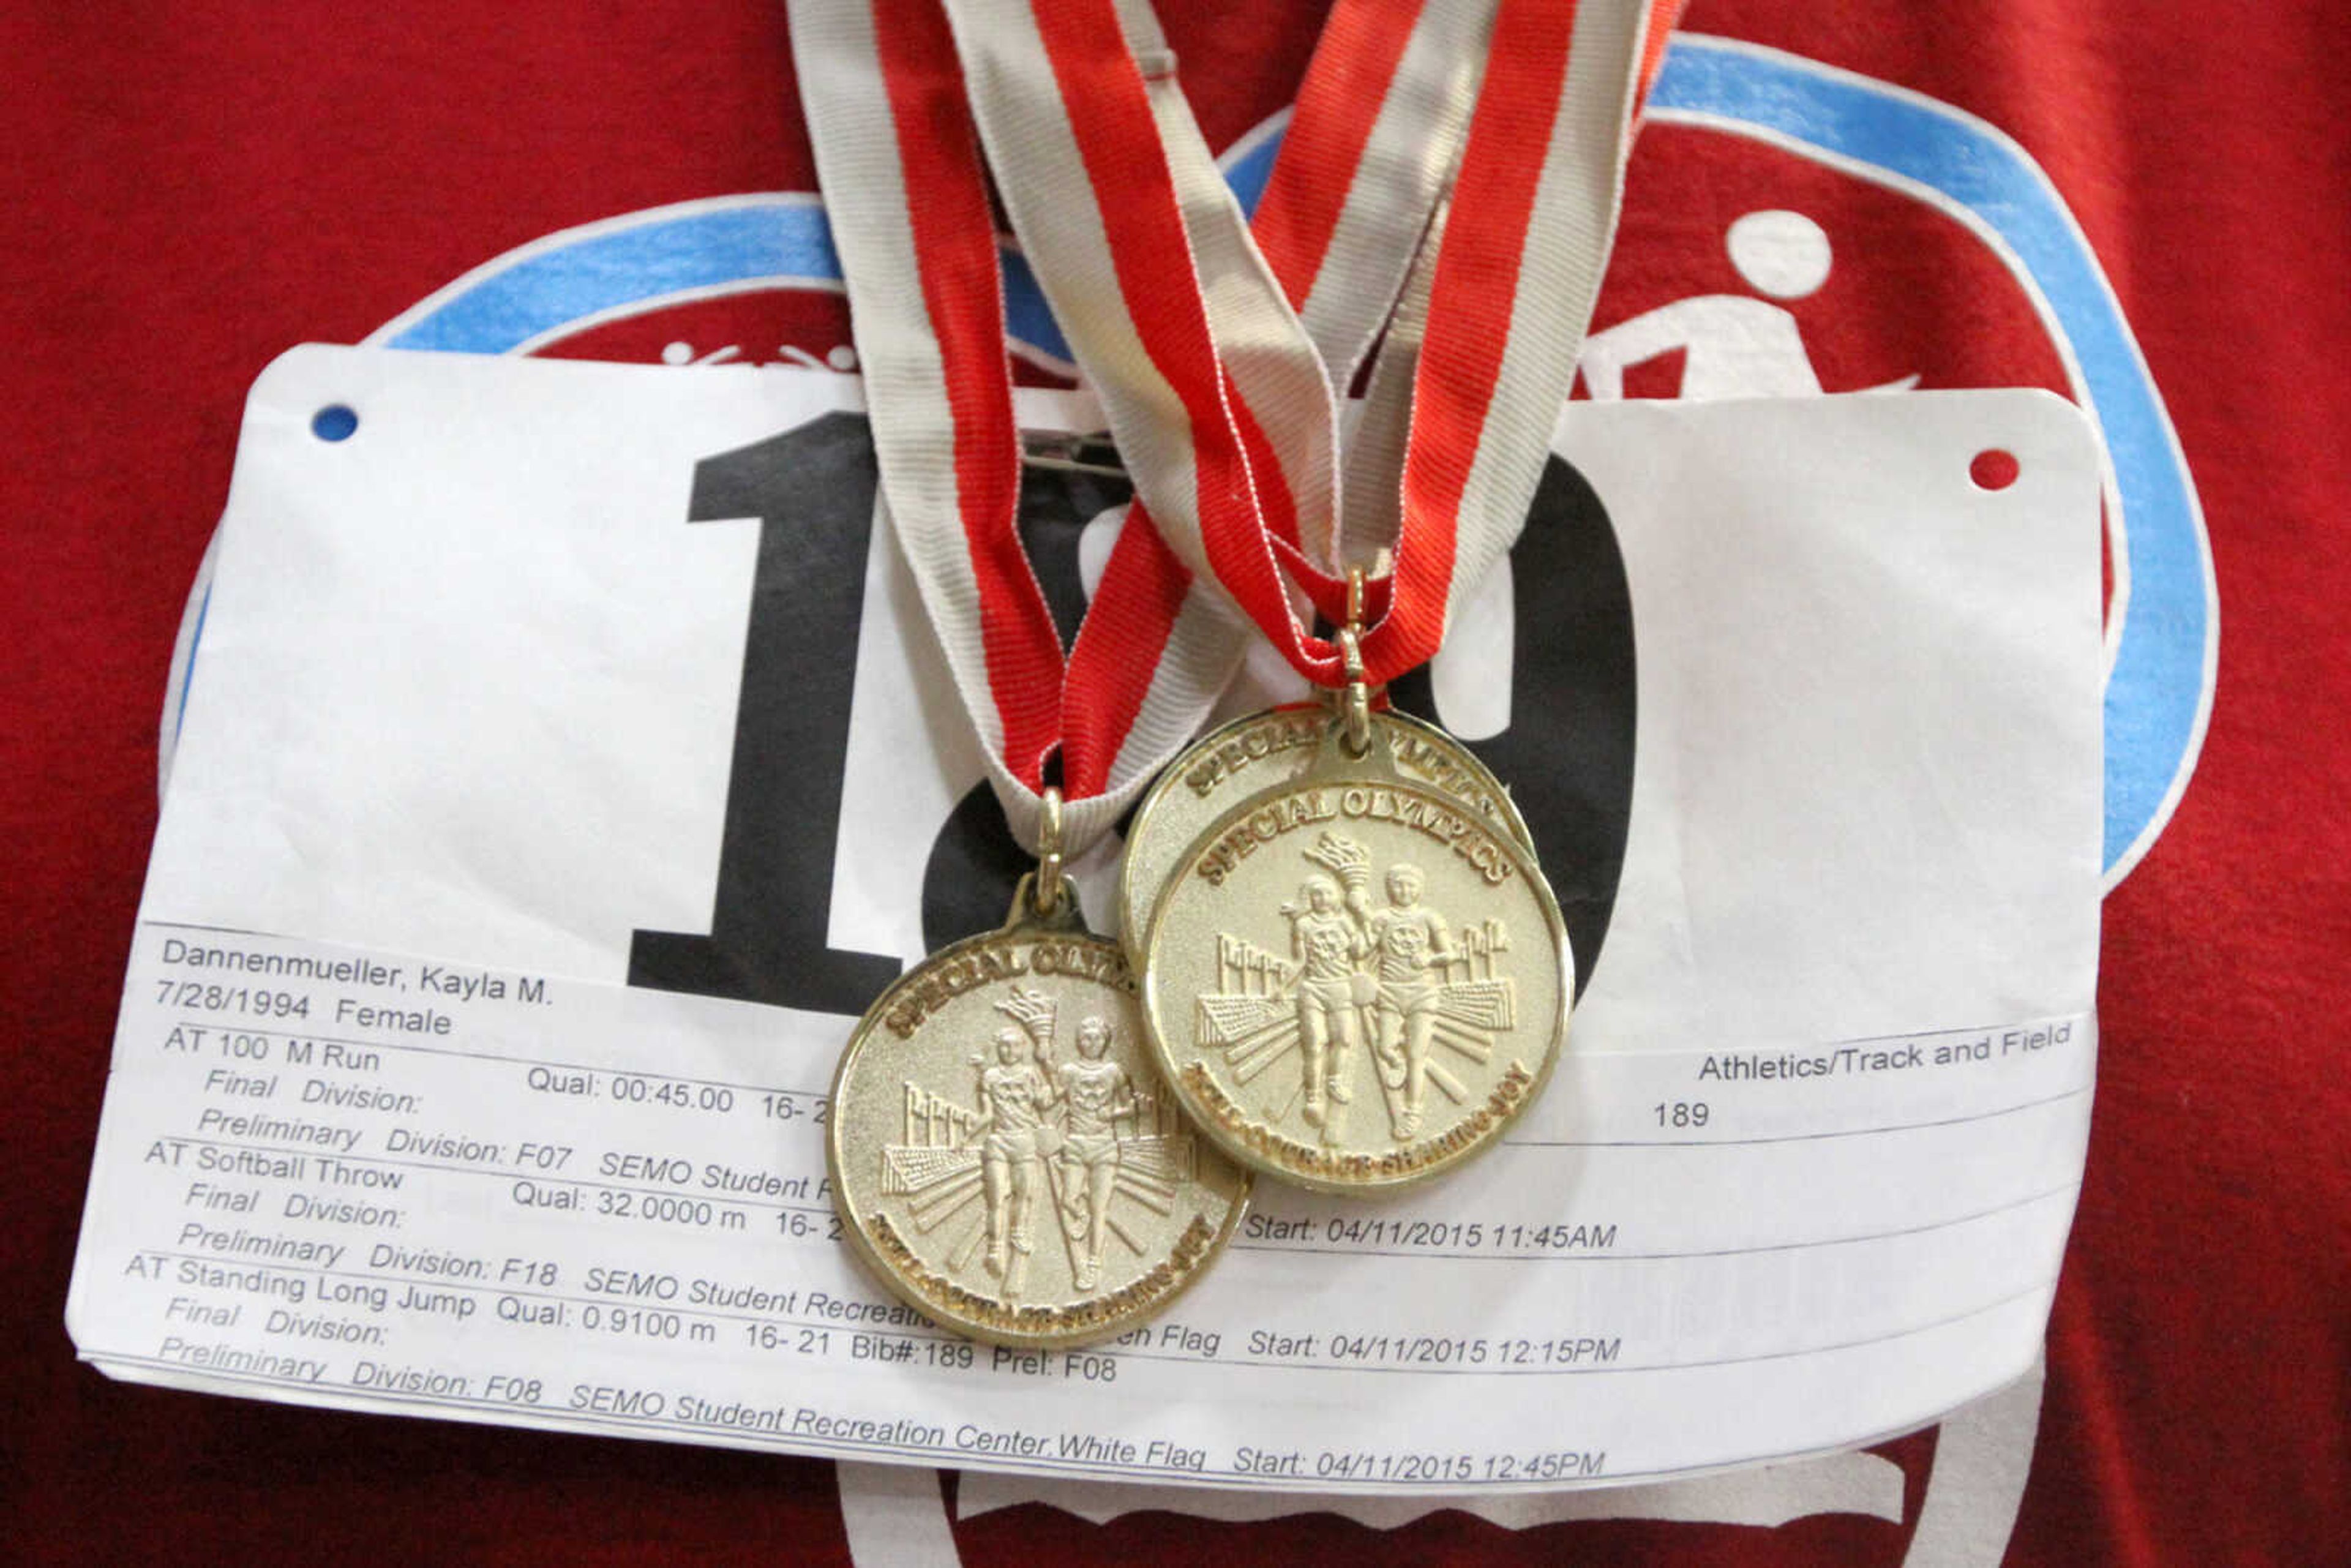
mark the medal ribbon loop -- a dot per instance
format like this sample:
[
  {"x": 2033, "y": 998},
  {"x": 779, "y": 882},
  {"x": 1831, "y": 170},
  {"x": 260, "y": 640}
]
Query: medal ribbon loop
[
  {"x": 1221, "y": 361},
  {"x": 1221, "y": 357}
]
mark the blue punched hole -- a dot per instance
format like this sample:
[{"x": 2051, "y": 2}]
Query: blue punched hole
[{"x": 334, "y": 422}]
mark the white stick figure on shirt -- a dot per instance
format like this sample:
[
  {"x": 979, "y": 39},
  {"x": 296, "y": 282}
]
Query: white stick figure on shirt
[{"x": 1735, "y": 346}]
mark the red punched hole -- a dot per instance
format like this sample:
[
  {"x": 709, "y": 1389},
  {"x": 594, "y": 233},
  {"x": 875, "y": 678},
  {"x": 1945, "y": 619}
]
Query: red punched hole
[{"x": 1994, "y": 469}]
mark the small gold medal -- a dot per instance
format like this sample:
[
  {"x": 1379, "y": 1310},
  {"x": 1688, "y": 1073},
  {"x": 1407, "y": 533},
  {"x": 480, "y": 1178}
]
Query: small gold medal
[
  {"x": 1004, "y": 1153},
  {"x": 1353, "y": 979}
]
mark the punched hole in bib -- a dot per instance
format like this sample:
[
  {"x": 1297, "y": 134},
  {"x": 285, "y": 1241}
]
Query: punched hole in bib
[
  {"x": 1994, "y": 469},
  {"x": 336, "y": 422}
]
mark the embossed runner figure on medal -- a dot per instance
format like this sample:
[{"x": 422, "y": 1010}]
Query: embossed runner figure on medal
[
  {"x": 1003, "y": 1151},
  {"x": 1355, "y": 972}
]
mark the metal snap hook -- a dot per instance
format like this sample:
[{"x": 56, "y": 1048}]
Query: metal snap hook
[
  {"x": 1355, "y": 702},
  {"x": 1047, "y": 888}
]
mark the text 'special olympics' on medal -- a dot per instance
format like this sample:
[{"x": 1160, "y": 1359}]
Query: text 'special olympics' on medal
[{"x": 1230, "y": 764}]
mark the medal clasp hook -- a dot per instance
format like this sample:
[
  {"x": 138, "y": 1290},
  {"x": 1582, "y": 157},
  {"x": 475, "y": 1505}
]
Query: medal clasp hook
[
  {"x": 1355, "y": 699},
  {"x": 1046, "y": 889}
]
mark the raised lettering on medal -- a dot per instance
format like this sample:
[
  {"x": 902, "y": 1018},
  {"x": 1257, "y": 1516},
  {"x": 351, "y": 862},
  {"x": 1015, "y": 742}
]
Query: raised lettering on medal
[{"x": 1266, "y": 750}]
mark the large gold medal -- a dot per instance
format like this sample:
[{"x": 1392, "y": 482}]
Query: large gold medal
[
  {"x": 1004, "y": 1152},
  {"x": 1353, "y": 981}
]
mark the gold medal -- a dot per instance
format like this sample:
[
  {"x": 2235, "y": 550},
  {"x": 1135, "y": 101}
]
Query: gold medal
[
  {"x": 1353, "y": 981},
  {"x": 1002, "y": 1150},
  {"x": 1229, "y": 765}
]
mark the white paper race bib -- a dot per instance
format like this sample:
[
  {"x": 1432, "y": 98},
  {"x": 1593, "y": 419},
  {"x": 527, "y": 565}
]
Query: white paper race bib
[{"x": 563, "y": 763}]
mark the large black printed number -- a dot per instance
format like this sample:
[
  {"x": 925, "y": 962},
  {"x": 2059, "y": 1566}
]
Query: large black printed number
[
  {"x": 1567, "y": 754},
  {"x": 812, "y": 490}
]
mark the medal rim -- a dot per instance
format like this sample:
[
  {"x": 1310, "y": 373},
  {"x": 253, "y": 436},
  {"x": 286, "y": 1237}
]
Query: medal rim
[
  {"x": 868, "y": 1256},
  {"x": 1133, "y": 935},
  {"x": 1236, "y": 1149}
]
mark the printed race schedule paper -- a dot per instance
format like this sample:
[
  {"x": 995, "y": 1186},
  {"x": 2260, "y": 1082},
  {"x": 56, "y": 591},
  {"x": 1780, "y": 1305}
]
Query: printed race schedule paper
[{"x": 514, "y": 698}]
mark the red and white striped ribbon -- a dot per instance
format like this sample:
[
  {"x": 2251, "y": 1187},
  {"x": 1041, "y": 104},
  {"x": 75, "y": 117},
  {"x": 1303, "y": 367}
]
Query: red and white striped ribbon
[
  {"x": 1369, "y": 150},
  {"x": 1192, "y": 327},
  {"x": 1106, "y": 189},
  {"x": 907, "y": 200}
]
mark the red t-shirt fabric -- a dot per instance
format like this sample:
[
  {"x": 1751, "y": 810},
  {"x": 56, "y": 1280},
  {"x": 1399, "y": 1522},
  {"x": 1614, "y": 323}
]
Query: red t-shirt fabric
[{"x": 1993, "y": 185}]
